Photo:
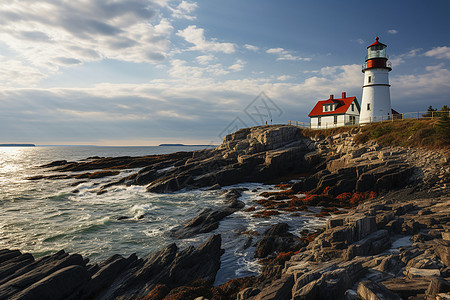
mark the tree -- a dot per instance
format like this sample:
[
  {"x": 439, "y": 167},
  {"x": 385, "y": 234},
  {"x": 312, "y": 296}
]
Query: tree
[
  {"x": 443, "y": 112},
  {"x": 430, "y": 111}
]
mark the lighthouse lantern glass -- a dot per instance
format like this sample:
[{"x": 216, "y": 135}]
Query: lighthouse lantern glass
[{"x": 376, "y": 51}]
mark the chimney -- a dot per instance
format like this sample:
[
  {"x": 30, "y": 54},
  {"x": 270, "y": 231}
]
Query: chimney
[
  {"x": 331, "y": 97},
  {"x": 344, "y": 95}
]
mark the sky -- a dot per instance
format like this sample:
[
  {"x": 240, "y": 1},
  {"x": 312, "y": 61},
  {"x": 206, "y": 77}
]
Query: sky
[{"x": 145, "y": 72}]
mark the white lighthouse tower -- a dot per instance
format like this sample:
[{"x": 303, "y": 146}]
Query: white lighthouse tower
[{"x": 376, "y": 98}]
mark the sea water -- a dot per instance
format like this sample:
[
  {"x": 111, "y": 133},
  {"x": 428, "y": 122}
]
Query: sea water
[{"x": 45, "y": 216}]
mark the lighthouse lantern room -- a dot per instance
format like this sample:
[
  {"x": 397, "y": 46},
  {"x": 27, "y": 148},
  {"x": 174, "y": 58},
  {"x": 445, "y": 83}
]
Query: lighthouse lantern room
[{"x": 376, "y": 99}]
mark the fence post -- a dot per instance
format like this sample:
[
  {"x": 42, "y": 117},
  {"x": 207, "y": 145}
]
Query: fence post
[{"x": 417, "y": 115}]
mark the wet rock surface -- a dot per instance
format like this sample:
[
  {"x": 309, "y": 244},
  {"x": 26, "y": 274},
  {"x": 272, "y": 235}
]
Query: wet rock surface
[
  {"x": 209, "y": 218},
  {"x": 257, "y": 154},
  {"x": 64, "y": 276},
  {"x": 359, "y": 254},
  {"x": 387, "y": 236}
]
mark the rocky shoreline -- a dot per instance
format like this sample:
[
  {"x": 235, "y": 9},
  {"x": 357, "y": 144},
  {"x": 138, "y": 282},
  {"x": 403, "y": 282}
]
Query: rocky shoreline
[{"x": 387, "y": 235}]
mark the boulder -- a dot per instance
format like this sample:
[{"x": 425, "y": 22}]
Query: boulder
[
  {"x": 329, "y": 281},
  {"x": 442, "y": 249},
  {"x": 169, "y": 267},
  {"x": 192, "y": 263},
  {"x": 438, "y": 285},
  {"x": 414, "y": 272},
  {"x": 364, "y": 226},
  {"x": 36, "y": 273},
  {"x": 107, "y": 274},
  {"x": 370, "y": 290},
  {"x": 370, "y": 245},
  {"x": 247, "y": 293},
  {"x": 276, "y": 238},
  {"x": 308, "y": 291},
  {"x": 6, "y": 255},
  {"x": 406, "y": 287},
  {"x": 9, "y": 267},
  {"x": 208, "y": 219},
  {"x": 280, "y": 289},
  {"x": 61, "y": 284}
]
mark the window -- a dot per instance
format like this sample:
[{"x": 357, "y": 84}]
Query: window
[
  {"x": 352, "y": 120},
  {"x": 353, "y": 107},
  {"x": 326, "y": 107},
  {"x": 368, "y": 106},
  {"x": 319, "y": 122},
  {"x": 369, "y": 79},
  {"x": 335, "y": 120}
]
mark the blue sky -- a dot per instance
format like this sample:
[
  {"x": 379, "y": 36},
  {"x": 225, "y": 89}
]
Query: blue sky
[{"x": 144, "y": 72}]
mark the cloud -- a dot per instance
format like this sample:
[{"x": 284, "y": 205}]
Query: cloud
[
  {"x": 205, "y": 59},
  {"x": 430, "y": 84},
  {"x": 285, "y": 55},
  {"x": 251, "y": 47},
  {"x": 184, "y": 10},
  {"x": 237, "y": 66},
  {"x": 74, "y": 32},
  {"x": 392, "y": 31},
  {"x": 284, "y": 77},
  {"x": 16, "y": 73},
  {"x": 193, "y": 104},
  {"x": 439, "y": 52},
  {"x": 196, "y": 36},
  {"x": 400, "y": 59},
  {"x": 182, "y": 71},
  {"x": 176, "y": 107}
]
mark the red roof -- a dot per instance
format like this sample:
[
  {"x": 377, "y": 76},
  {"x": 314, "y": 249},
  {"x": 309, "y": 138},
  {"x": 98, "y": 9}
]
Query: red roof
[
  {"x": 341, "y": 108},
  {"x": 376, "y": 43}
]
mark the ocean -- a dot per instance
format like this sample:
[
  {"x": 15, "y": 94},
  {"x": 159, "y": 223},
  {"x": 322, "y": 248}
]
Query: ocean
[{"x": 44, "y": 216}]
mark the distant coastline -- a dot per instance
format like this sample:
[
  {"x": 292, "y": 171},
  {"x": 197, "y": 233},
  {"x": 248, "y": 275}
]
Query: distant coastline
[
  {"x": 183, "y": 145},
  {"x": 17, "y": 145}
]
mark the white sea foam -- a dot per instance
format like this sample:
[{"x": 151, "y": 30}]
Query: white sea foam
[{"x": 45, "y": 216}]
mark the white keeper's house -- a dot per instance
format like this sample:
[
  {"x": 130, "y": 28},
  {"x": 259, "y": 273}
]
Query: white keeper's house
[
  {"x": 335, "y": 112},
  {"x": 376, "y": 99}
]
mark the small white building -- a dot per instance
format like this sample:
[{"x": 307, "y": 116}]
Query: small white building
[{"x": 335, "y": 112}]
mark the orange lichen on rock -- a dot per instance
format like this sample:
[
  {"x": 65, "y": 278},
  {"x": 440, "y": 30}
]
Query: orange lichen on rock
[
  {"x": 250, "y": 209},
  {"x": 359, "y": 197},
  {"x": 296, "y": 202},
  {"x": 344, "y": 196},
  {"x": 231, "y": 288},
  {"x": 284, "y": 186},
  {"x": 284, "y": 256},
  {"x": 159, "y": 292},
  {"x": 280, "y": 259},
  {"x": 312, "y": 237},
  {"x": 323, "y": 214},
  {"x": 279, "y": 195},
  {"x": 264, "y": 202},
  {"x": 195, "y": 289}
]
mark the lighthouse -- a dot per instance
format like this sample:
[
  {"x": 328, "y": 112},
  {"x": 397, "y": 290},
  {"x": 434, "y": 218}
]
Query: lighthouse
[{"x": 376, "y": 99}]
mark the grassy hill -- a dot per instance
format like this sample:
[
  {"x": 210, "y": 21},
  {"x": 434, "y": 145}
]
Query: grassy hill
[{"x": 428, "y": 134}]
